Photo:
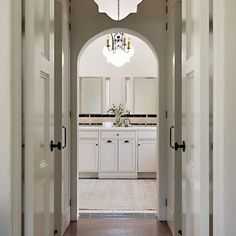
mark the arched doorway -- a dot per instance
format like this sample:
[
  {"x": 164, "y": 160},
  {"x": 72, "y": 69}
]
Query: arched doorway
[{"x": 84, "y": 70}]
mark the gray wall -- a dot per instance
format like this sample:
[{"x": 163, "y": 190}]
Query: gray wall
[
  {"x": 148, "y": 22},
  {"x": 5, "y": 119}
]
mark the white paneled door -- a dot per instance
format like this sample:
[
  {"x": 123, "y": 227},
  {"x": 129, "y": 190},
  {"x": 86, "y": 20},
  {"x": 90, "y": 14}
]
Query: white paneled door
[
  {"x": 38, "y": 100},
  {"x": 195, "y": 118},
  {"x": 65, "y": 120}
]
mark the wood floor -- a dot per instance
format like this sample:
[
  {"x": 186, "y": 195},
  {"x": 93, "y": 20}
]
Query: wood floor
[{"x": 118, "y": 227}]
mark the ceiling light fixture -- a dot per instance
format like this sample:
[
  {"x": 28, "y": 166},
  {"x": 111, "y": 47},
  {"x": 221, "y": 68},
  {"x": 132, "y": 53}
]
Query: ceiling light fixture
[
  {"x": 118, "y": 49},
  {"x": 118, "y": 9},
  {"x": 118, "y": 41}
]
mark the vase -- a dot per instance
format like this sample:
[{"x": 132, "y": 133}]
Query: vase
[{"x": 118, "y": 120}]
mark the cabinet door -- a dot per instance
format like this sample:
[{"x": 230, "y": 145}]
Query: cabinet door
[
  {"x": 127, "y": 160},
  {"x": 88, "y": 156},
  {"x": 108, "y": 158},
  {"x": 147, "y": 156}
]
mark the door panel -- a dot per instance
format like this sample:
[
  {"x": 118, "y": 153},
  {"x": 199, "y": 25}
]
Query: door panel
[
  {"x": 108, "y": 157},
  {"x": 127, "y": 158},
  {"x": 65, "y": 120},
  {"x": 147, "y": 156},
  {"x": 38, "y": 100},
  {"x": 195, "y": 117},
  {"x": 88, "y": 156}
]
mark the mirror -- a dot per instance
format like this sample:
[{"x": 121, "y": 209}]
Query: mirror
[
  {"x": 91, "y": 95},
  {"x": 145, "y": 95},
  {"x": 137, "y": 94}
]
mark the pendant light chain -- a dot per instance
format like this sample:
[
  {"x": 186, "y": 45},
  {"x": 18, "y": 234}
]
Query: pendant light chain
[{"x": 118, "y": 2}]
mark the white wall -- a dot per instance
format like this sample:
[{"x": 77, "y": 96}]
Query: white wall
[
  {"x": 5, "y": 119},
  {"x": 224, "y": 118},
  {"x": 93, "y": 63}
]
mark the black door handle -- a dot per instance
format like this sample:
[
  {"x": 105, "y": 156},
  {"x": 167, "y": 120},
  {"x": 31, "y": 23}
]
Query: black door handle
[
  {"x": 171, "y": 128},
  {"x": 65, "y": 134},
  {"x": 109, "y": 141},
  {"x": 53, "y": 145},
  {"x": 182, "y": 146},
  {"x": 126, "y": 141}
]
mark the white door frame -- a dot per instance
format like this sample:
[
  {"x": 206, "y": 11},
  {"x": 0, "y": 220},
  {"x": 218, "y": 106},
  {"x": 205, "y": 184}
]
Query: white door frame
[{"x": 16, "y": 110}]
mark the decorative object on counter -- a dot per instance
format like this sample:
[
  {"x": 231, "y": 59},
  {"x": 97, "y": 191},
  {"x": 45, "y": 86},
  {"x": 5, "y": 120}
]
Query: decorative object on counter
[{"x": 118, "y": 112}]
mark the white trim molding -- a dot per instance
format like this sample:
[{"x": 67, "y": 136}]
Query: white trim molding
[{"x": 16, "y": 117}]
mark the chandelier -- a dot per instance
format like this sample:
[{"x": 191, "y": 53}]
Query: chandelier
[
  {"x": 118, "y": 49},
  {"x": 118, "y": 41}
]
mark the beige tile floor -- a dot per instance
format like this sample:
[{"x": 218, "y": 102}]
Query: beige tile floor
[{"x": 99, "y": 195}]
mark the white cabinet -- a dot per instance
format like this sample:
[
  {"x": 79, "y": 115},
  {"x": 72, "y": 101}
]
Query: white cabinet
[
  {"x": 88, "y": 156},
  {"x": 108, "y": 157},
  {"x": 127, "y": 158},
  {"x": 147, "y": 156},
  {"x": 117, "y": 153}
]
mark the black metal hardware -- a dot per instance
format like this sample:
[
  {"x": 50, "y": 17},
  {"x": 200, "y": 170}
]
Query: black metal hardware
[
  {"x": 65, "y": 134},
  {"x": 55, "y": 232},
  {"x": 126, "y": 141},
  {"x": 180, "y": 232},
  {"x": 171, "y": 128},
  {"x": 182, "y": 146},
  {"x": 109, "y": 141},
  {"x": 139, "y": 144},
  {"x": 53, "y": 145},
  {"x": 117, "y": 134},
  {"x": 96, "y": 144}
]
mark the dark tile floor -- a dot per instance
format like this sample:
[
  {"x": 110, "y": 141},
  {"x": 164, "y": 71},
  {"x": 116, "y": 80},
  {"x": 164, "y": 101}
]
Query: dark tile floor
[{"x": 126, "y": 224}]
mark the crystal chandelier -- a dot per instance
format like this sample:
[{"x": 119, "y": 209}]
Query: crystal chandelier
[{"x": 118, "y": 41}]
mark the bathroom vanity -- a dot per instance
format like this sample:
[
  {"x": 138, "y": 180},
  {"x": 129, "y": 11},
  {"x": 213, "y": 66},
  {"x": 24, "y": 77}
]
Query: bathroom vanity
[{"x": 117, "y": 152}]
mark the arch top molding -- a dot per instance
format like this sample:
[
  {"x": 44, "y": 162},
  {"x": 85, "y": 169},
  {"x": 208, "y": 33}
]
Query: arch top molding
[{"x": 117, "y": 9}]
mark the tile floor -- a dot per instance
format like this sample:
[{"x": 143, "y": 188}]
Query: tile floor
[{"x": 117, "y": 196}]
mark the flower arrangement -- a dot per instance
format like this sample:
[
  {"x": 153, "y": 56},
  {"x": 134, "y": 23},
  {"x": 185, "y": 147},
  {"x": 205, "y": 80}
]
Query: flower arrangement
[{"x": 118, "y": 112}]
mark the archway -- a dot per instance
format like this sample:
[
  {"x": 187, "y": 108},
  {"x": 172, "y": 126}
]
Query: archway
[{"x": 154, "y": 53}]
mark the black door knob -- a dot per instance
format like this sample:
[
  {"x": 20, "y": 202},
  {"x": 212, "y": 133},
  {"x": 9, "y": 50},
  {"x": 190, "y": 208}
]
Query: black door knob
[
  {"x": 53, "y": 145},
  {"x": 182, "y": 146}
]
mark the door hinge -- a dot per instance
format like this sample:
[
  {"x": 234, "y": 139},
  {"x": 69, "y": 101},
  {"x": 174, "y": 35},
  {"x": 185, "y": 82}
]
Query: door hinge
[
  {"x": 166, "y": 202},
  {"x": 166, "y": 26},
  {"x": 70, "y": 203},
  {"x": 70, "y": 114},
  {"x": 166, "y": 9},
  {"x": 166, "y": 114},
  {"x": 70, "y": 26},
  {"x": 23, "y": 26}
]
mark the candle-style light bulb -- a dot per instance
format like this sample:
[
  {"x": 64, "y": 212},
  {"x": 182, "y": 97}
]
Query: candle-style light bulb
[
  {"x": 108, "y": 42},
  {"x": 129, "y": 44}
]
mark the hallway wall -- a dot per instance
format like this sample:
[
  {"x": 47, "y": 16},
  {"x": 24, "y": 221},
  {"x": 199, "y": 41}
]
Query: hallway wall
[
  {"x": 5, "y": 119},
  {"x": 150, "y": 22},
  {"x": 224, "y": 118}
]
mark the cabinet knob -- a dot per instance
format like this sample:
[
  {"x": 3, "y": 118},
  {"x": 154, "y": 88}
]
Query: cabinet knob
[
  {"x": 96, "y": 144},
  {"x": 109, "y": 141},
  {"x": 117, "y": 134},
  {"x": 126, "y": 141},
  {"x": 139, "y": 144}
]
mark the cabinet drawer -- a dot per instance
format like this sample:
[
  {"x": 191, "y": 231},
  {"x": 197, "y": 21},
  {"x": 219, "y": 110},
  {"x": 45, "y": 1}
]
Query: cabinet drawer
[
  {"x": 147, "y": 135},
  {"x": 118, "y": 134},
  {"x": 88, "y": 134}
]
